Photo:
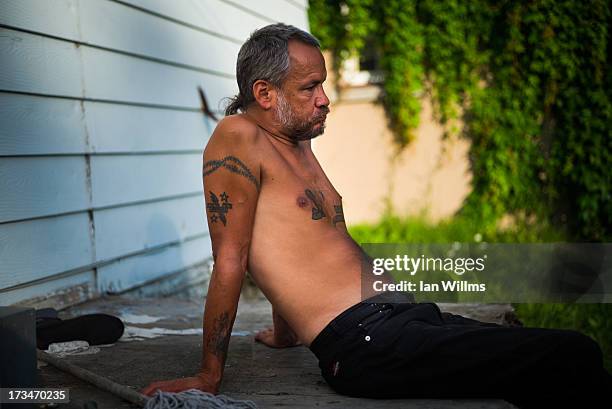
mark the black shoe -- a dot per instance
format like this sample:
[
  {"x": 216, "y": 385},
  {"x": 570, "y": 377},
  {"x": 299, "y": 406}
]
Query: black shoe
[{"x": 96, "y": 329}]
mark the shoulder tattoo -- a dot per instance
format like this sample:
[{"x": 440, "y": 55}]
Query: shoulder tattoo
[{"x": 234, "y": 165}]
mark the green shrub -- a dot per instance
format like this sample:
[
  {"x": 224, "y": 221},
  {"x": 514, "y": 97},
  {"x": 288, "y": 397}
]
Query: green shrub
[
  {"x": 393, "y": 229},
  {"x": 529, "y": 79}
]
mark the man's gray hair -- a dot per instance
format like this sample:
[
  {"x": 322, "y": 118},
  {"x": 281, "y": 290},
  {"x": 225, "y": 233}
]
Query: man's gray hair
[{"x": 265, "y": 56}]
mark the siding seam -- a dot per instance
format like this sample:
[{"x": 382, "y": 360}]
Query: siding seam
[
  {"x": 249, "y": 11},
  {"x": 108, "y": 207},
  {"x": 91, "y": 227},
  {"x": 110, "y": 101},
  {"x": 122, "y": 52},
  {"x": 299, "y": 6},
  {"x": 168, "y": 276},
  {"x": 180, "y": 22},
  {"x": 102, "y": 263},
  {"x": 109, "y": 153}
]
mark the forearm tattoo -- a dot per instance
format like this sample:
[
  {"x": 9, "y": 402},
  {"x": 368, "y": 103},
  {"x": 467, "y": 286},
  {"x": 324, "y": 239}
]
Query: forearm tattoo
[
  {"x": 317, "y": 204},
  {"x": 219, "y": 339},
  {"x": 339, "y": 216},
  {"x": 218, "y": 210},
  {"x": 234, "y": 165}
]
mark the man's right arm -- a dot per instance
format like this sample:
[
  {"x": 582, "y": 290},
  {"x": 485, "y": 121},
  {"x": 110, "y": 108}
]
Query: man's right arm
[{"x": 231, "y": 179}]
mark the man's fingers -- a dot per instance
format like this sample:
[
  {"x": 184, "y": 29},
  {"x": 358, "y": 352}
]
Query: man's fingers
[
  {"x": 179, "y": 385},
  {"x": 263, "y": 332},
  {"x": 150, "y": 390},
  {"x": 259, "y": 337},
  {"x": 162, "y": 386},
  {"x": 265, "y": 336},
  {"x": 166, "y": 386}
]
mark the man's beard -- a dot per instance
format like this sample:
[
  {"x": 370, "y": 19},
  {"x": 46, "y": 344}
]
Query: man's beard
[{"x": 296, "y": 128}]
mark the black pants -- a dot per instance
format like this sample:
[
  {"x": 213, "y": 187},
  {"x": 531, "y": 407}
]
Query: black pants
[{"x": 413, "y": 350}]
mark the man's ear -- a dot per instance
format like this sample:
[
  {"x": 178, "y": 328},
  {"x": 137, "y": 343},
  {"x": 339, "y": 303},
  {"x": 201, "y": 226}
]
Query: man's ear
[{"x": 264, "y": 93}]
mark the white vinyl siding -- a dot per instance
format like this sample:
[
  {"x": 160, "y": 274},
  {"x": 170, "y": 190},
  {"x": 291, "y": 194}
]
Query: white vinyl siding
[{"x": 101, "y": 136}]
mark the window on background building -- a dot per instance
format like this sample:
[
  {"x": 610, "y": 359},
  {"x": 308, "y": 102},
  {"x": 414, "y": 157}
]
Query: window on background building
[{"x": 363, "y": 69}]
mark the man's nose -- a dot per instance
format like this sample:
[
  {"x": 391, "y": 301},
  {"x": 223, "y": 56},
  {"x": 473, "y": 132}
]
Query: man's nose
[{"x": 322, "y": 99}]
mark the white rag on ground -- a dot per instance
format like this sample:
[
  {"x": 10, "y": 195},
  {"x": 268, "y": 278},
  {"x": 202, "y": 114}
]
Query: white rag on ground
[
  {"x": 196, "y": 399},
  {"x": 62, "y": 349}
]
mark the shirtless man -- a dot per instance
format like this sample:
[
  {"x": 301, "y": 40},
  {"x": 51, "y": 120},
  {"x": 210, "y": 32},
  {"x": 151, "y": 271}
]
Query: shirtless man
[
  {"x": 282, "y": 219},
  {"x": 272, "y": 211}
]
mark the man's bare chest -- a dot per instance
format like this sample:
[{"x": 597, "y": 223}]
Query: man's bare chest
[{"x": 303, "y": 189}]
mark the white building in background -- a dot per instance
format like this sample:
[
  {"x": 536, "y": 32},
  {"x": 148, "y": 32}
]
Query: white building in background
[{"x": 101, "y": 138}]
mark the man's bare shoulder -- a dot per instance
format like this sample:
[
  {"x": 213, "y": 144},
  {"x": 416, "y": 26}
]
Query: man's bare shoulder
[
  {"x": 235, "y": 133},
  {"x": 234, "y": 146}
]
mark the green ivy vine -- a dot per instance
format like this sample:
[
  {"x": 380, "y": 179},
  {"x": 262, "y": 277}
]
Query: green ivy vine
[{"x": 529, "y": 80}]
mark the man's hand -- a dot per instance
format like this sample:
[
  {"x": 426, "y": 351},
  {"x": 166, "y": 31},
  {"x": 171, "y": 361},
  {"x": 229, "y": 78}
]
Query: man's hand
[
  {"x": 269, "y": 337},
  {"x": 201, "y": 382}
]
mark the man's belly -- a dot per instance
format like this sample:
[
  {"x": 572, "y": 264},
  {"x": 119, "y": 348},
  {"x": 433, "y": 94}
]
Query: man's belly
[{"x": 309, "y": 276}]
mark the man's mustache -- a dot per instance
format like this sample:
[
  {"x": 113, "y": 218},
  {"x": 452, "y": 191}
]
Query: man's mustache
[{"x": 321, "y": 114}]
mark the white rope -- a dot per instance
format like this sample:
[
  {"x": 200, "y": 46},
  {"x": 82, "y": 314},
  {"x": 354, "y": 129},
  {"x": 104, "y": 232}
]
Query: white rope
[{"x": 196, "y": 399}]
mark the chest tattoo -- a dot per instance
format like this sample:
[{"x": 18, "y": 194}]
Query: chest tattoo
[
  {"x": 339, "y": 216},
  {"x": 317, "y": 204},
  {"x": 218, "y": 209}
]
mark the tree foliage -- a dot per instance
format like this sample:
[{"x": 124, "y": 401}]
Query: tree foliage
[{"x": 530, "y": 81}]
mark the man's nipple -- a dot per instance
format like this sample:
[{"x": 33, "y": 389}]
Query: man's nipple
[{"x": 302, "y": 201}]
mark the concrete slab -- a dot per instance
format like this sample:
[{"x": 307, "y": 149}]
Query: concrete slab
[{"x": 152, "y": 349}]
